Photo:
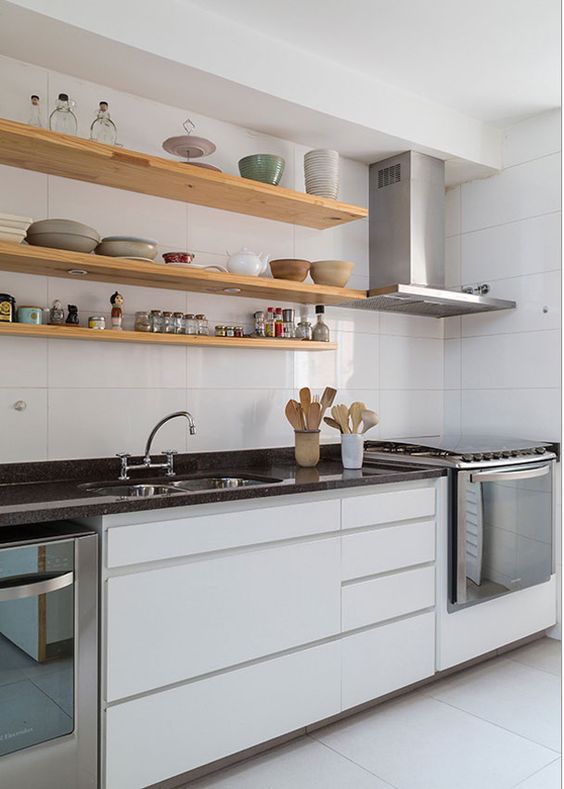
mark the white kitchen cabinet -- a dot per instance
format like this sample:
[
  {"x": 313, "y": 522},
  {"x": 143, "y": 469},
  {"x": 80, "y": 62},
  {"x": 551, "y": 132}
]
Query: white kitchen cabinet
[
  {"x": 164, "y": 734},
  {"x": 386, "y": 597},
  {"x": 387, "y": 507},
  {"x": 387, "y": 548},
  {"x": 386, "y": 658},
  {"x": 178, "y": 622}
]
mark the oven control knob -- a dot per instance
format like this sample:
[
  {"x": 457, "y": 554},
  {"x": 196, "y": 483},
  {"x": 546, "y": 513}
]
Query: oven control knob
[
  {"x": 497, "y": 455},
  {"x": 488, "y": 455},
  {"x": 477, "y": 456},
  {"x": 467, "y": 458},
  {"x": 506, "y": 453},
  {"x": 540, "y": 450}
]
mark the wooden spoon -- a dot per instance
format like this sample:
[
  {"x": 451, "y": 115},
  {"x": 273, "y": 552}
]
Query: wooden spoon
[
  {"x": 293, "y": 415},
  {"x": 369, "y": 419},
  {"x": 355, "y": 413},
  {"x": 305, "y": 402},
  {"x": 314, "y": 416},
  {"x": 332, "y": 423},
  {"x": 327, "y": 398},
  {"x": 340, "y": 414}
]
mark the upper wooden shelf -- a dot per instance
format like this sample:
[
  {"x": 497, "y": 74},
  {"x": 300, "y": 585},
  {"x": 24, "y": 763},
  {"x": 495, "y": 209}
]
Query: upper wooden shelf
[
  {"x": 59, "y": 263},
  {"x": 72, "y": 157}
]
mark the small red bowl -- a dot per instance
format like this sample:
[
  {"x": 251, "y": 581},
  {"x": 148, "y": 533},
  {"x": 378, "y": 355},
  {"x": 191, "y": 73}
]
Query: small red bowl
[{"x": 178, "y": 257}]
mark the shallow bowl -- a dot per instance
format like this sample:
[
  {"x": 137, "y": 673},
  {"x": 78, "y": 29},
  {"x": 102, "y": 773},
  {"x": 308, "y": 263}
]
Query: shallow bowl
[
  {"x": 290, "y": 268},
  {"x": 331, "y": 272},
  {"x": 127, "y": 247},
  {"x": 264, "y": 167},
  {"x": 69, "y": 241}
]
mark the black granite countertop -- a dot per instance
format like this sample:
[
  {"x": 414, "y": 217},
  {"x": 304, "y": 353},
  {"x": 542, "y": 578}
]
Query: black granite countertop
[{"x": 48, "y": 491}]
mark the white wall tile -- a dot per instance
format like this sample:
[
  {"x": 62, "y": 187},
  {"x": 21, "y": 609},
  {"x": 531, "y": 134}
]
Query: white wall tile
[
  {"x": 23, "y": 193},
  {"x": 224, "y": 368},
  {"x": 532, "y": 138},
  {"x": 519, "y": 192},
  {"x": 506, "y": 361},
  {"x": 526, "y": 413},
  {"x": 453, "y": 364},
  {"x": 92, "y": 422},
  {"x": 410, "y": 325},
  {"x": 410, "y": 413},
  {"x": 316, "y": 370},
  {"x": 410, "y": 363},
  {"x": 23, "y": 361},
  {"x": 452, "y": 211},
  {"x": 528, "y": 246},
  {"x": 452, "y": 406},
  {"x": 357, "y": 361},
  {"x": 453, "y": 276},
  {"x": 24, "y": 433},
  {"x": 94, "y": 365},
  {"x": 19, "y": 81}
]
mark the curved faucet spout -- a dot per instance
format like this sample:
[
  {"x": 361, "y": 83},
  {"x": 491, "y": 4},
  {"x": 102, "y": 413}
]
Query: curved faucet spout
[{"x": 191, "y": 427}]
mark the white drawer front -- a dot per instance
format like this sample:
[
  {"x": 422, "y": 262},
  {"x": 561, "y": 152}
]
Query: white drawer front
[
  {"x": 165, "y": 734},
  {"x": 148, "y": 542},
  {"x": 379, "y": 661},
  {"x": 370, "y": 602},
  {"x": 387, "y": 548},
  {"x": 387, "y": 507},
  {"x": 167, "y": 625}
]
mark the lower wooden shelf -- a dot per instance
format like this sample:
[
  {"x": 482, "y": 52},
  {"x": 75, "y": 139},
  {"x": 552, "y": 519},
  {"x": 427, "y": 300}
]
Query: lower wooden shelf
[{"x": 111, "y": 335}]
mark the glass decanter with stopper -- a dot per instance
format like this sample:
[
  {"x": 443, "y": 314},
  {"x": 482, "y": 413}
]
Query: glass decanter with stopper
[
  {"x": 63, "y": 119},
  {"x": 34, "y": 112},
  {"x": 103, "y": 129},
  {"x": 320, "y": 330}
]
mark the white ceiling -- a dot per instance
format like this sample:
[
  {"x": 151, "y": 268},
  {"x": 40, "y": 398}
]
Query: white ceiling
[{"x": 494, "y": 60}]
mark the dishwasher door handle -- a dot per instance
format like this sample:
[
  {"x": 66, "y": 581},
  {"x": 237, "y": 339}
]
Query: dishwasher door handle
[{"x": 21, "y": 586}]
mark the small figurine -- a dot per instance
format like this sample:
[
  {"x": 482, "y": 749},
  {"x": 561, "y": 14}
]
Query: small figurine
[
  {"x": 117, "y": 313},
  {"x": 35, "y": 113},
  {"x": 56, "y": 314},
  {"x": 72, "y": 317}
]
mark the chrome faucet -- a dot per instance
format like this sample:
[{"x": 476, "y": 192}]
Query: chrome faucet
[{"x": 169, "y": 453}]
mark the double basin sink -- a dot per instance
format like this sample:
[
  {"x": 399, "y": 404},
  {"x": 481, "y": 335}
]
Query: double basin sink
[{"x": 132, "y": 490}]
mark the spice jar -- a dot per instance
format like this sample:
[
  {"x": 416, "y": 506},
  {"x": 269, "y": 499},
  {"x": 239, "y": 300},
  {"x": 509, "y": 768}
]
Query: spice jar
[
  {"x": 239, "y": 331},
  {"x": 220, "y": 331},
  {"x": 178, "y": 322},
  {"x": 168, "y": 323},
  {"x": 156, "y": 320},
  {"x": 143, "y": 321},
  {"x": 260, "y": 324},
  {"x": 190, "y": 324},
  {"x": 230, "y": 331},
  {"x": 202, "y": 322},
  {"x": 289, "y": 325},
  {"x": 304, "y": 330}
]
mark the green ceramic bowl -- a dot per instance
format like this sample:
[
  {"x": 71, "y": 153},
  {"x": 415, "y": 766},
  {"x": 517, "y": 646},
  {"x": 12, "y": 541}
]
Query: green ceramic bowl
[{"x": 263, "y": 167}]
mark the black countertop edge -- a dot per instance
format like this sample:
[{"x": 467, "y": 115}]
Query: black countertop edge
[{"x": 40, "y": 502}]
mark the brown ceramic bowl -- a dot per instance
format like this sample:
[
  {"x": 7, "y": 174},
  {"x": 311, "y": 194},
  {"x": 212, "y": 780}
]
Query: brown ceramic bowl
[
  {"x": 331, "y": 272},
  {"x": 290, "y": 268}
]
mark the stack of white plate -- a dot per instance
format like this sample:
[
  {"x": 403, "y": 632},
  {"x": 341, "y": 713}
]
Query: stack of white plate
[
  {"x": 14, "y": 228},
  {"x": 321, "y": 169}
]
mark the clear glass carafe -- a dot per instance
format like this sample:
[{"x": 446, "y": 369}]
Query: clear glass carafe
[{"x": 63, "y": 119}]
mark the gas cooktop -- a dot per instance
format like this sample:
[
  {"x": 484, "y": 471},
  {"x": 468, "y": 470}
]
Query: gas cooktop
[{"x": 458, "y": 451}]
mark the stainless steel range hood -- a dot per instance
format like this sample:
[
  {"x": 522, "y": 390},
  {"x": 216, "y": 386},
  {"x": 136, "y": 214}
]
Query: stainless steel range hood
[{"x": 407, "y": 248}]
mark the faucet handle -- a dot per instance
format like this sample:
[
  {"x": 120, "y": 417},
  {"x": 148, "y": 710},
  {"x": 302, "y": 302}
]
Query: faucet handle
[
  {"x": 170, "y": 453},
  {"x": 124, "y": 467},
  {"x": 123, "y": 454}
]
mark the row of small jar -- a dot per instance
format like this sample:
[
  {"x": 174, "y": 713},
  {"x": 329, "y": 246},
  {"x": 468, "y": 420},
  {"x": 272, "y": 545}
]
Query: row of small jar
[{"x": 171, "y": 322}]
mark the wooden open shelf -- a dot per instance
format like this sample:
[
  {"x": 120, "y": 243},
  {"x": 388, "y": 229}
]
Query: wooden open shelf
[
  {"x": 58, "y": 262},
  {"x": 110, "y": 335},
  {"x": 72, "y": 157}
]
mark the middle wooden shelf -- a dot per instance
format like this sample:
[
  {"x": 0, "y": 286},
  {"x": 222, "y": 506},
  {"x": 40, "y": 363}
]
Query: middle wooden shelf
[{"x": 77, "y": 265}]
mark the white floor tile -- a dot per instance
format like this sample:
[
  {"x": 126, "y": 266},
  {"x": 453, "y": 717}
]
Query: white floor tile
[
  {"x": 549, "y": 777},
  {"x": 304, "y": 764},
  {"x": 521, "y": 699},
  {"x": 544, "y": 654},
  {"x": 419, "y": 743}
]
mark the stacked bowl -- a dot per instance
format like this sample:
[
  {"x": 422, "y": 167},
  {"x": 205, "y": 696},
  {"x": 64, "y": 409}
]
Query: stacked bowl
[
  {"x": 14, "y": 228},
  {"x": 63, "y": 234},
  {"x": 321, "y": 168}
]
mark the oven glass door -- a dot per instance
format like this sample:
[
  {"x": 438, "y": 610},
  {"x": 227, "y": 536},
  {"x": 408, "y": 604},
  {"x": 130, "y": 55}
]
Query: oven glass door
[
  {"x": 36, "y": 644},
  {"x": 504, "y": 530}
]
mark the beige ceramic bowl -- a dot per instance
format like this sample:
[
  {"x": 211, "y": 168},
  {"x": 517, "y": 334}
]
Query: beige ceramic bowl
[
  {"x": 331, "y": 272},
  {"x": 290, "y": 268}
]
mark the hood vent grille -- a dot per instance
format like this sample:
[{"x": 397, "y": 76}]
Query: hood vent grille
[{"x": 389, "y": 175}]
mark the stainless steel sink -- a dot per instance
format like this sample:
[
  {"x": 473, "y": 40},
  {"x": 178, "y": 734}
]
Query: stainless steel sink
[
  {"x": 132, "y": 491},
  {"x": 221, "y": 483}
]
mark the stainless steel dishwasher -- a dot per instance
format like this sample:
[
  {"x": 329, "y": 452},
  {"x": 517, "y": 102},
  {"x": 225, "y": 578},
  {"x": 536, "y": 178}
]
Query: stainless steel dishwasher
[{"x": 48, "y": 656}]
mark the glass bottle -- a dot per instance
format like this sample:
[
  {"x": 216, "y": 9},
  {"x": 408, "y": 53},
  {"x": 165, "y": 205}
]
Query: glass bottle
[
  {"x": 35, "y": 113},
  {"x": 270, "y": 323},
  {"x": 202, "y": 323},
  {"x": 278, "y": 323},
  {"x": 178, "y": 322},
  {"x": 143, "y": 321},
  {"x": 63, "y": 119},
  {"x": 303, "y": 330},
  {"x": 190, "y": 325},
  {"x": 320, "y": 331},
  {"x": 103, "y": 129},
  {"x": 168, "y": 323},
  {"x": 156, "y": 320},
  {"x": 259, "y": 324}
]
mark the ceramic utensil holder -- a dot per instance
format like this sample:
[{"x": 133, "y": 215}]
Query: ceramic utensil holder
[
  {"x": 307, "y": 448},
  {"x": 352, "y": 450}
]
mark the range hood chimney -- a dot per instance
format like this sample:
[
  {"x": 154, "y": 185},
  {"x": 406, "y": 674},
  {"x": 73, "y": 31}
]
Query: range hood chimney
[{"x": 407, "y": 242}]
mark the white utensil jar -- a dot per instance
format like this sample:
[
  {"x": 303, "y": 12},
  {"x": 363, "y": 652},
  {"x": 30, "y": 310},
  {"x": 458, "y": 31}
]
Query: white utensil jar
[{"x": 352, "y": 449}]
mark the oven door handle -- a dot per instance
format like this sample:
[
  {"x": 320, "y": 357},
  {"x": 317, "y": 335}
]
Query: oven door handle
[
  {"x": 32, "y": 585},
  {"x": 502, "y": 476}
]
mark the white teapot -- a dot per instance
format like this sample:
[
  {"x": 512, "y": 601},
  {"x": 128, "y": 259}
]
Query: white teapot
[{"x": 247, "y": 263}]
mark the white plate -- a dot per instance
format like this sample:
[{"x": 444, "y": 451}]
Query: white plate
[
  {"x": 189, "y": 147},
  {"x": 14, "y": 218}
]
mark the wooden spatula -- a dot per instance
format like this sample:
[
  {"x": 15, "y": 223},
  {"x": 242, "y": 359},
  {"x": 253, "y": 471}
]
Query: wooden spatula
[
  {"x": 293, "y": 414},
  {"x": 327, "y": 398},
  {"x": 355, "y": 413},
  {"x": 314, "y": 416},
  {"x": 331, "y": 422}
]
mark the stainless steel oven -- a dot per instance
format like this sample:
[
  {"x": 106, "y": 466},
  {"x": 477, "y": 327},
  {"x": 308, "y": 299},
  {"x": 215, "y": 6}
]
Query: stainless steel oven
[
  {"x": 48, "y": 657},
  {"x": 502, "y": 538}
]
